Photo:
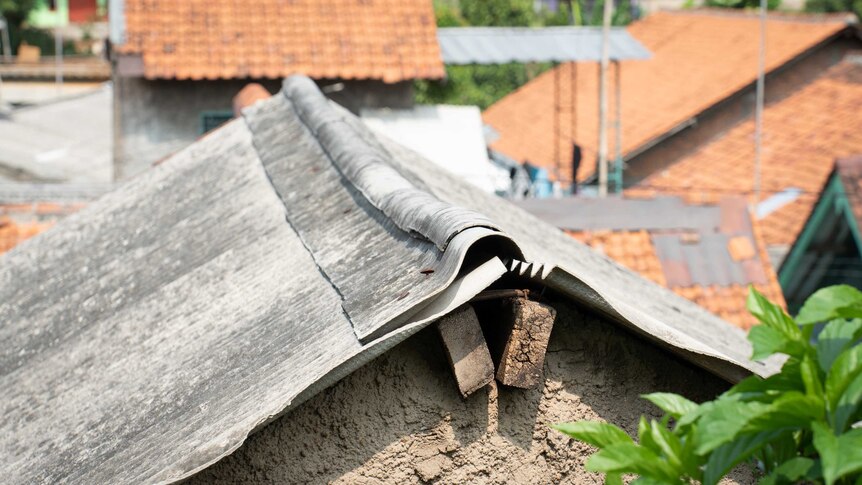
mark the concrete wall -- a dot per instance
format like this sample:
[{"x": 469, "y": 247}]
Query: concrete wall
[
  {"x": 155, "y": 118},
  {"x": 722, "y": 117},
  {"x": 400, "y": 419}
]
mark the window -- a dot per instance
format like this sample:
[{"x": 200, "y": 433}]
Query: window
[{"x": 211, "y": 120}]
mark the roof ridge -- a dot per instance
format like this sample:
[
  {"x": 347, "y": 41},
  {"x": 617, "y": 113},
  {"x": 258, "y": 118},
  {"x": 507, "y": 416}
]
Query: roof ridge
[{"x": 368, "y": 168}]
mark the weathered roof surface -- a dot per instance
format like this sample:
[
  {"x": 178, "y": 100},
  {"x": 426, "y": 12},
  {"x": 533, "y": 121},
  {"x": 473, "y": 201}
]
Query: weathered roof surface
[
  {"x": 803, "y": 134},
  {"x": 147, "y": 335},
  {"x": 389, "y": 40},
  {"x": 500, "y": 45},
  {"x": 68, "y": 140},
  {"x": 699, "y": 57},
  {"x": 707, "y": 253}
]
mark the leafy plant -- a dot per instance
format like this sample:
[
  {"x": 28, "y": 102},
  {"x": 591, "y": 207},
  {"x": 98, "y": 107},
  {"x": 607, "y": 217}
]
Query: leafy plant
[{"x": 794, "y": 426}]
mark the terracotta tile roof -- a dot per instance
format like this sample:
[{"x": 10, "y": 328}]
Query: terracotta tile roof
[
  {"x": 803, "y": 134},
  {"x": 699, "y": 58},
  {"x": 13, "y": 233},
  {"x": 19, "y": 222},
  {"x": 389, "y": 40},
  {"x": 708, "y": 254}
]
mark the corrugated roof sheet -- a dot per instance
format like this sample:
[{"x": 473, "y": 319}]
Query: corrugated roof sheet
[
  {"x": 179, "y": 313},
  {"x": 500, "y": 45}
]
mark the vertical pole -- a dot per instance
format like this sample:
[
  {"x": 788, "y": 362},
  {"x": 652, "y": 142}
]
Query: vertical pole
[
  {"x": 557, "y": 123},
  {"x": 618, "y": 129},
  {"x": 603, "y": 100},
  {"x": 58, "y": 59},
  {"x": 758, "y": 110},
  {"x": 573, "y": 112},
  {"x": 7, "y": 46}
]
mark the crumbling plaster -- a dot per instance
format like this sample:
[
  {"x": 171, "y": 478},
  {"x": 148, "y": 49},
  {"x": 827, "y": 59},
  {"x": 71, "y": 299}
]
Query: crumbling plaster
[{"x": 400, "y": 419}]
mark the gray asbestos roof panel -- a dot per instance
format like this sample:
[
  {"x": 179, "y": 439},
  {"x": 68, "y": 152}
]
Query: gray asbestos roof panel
[
  {"x": 146, "y": 336},
  {"x": 500, "y": 45}
]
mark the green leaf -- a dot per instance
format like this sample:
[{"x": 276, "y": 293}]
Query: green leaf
[
  {"x": 669, "y": 445},
  {"x": 722, "y": 420},
  {"x": 830, "y": 303},
  {"x": 839, "y": 455},
  {"x": 844, "y": 371},
  {"x": 772, "y": 315},
  {"x": 766, "y": 341},
  {"x": 835, "y": 338},
  {"x": 673, "y": 404},
  {"x": 789, "y": 379},
  {"x": 793, "y": 471},
  {"x": 847, "y": 406},
  {"x": 727, "y": 456},
  {"x": 631, "y": 458},
  {"x": 645, "y": 435},
  {"x": 594, "y": 433},
  {"x": 792, "y": 410},
  {"x": 613, "y": 479},
  {"x": 810, "y": 373}
]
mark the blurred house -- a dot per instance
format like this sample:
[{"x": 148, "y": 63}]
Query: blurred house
[
  {"x": 698, "y": 83},
  {"x": 450, "y": 136},
  {"x": 828, "y": 250},
  {"x": 708, "y": 254},
  {"x": 178, "y": 64},
  {"x": 48, "y": 14},
  {"x": 804, "y": 132},
  {"x": 59, "y": 141}
]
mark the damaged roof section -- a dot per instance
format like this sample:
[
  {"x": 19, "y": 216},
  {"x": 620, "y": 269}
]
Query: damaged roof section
[
  {"x": 199, "y": 301},
  {"x": 706, "y": 253}
]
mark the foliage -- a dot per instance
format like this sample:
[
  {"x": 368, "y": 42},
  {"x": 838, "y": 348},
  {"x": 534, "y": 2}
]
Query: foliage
[
  {"x": 794, "y": 426},
  {"x": 16, "y": 11},
  {"x": 770, "y": 4},
  {"x": 825, "y": 6},
  {"x": 484, "y": 85}
]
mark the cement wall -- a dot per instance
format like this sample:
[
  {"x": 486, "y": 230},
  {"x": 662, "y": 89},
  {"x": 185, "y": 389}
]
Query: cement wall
[
  {"x": 155, "y": 118},
  {"x": 400, "y": 419},
  {"x": 722, "y": 117}
]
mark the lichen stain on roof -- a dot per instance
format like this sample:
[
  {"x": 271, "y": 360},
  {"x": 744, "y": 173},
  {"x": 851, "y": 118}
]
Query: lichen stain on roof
[
  {"x": 699, "y": 58},
  {"x": 388, "y": 40}
]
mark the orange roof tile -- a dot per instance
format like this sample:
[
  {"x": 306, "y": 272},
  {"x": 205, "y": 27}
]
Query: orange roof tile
[
  {"x": 699, "y": 58},
  {"x": 13, "y": 233},
  {"x": 389, "y": 40},
  {"x": 636, "y": 251},
  {"x": 19, "y": 222},
  {"x": 803, "y": 134}
]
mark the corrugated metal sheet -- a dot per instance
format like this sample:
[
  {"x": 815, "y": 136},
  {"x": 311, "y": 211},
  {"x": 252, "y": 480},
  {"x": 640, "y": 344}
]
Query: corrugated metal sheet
[
  {"x": 499, "y": 45},
  {"x": 146, "y": 336}
]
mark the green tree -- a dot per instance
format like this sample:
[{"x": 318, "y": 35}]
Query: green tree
[
  {"x": 828, "y": 6},
  {"x": 795, "y": 426}
]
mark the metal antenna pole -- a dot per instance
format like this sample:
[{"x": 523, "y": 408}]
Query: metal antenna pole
[
  {"x": 58, "y": 59},
  {"x": 758, "y": 110},
  {"x": 603, "y": 100},
  {"x": 7, "y": 46}
]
